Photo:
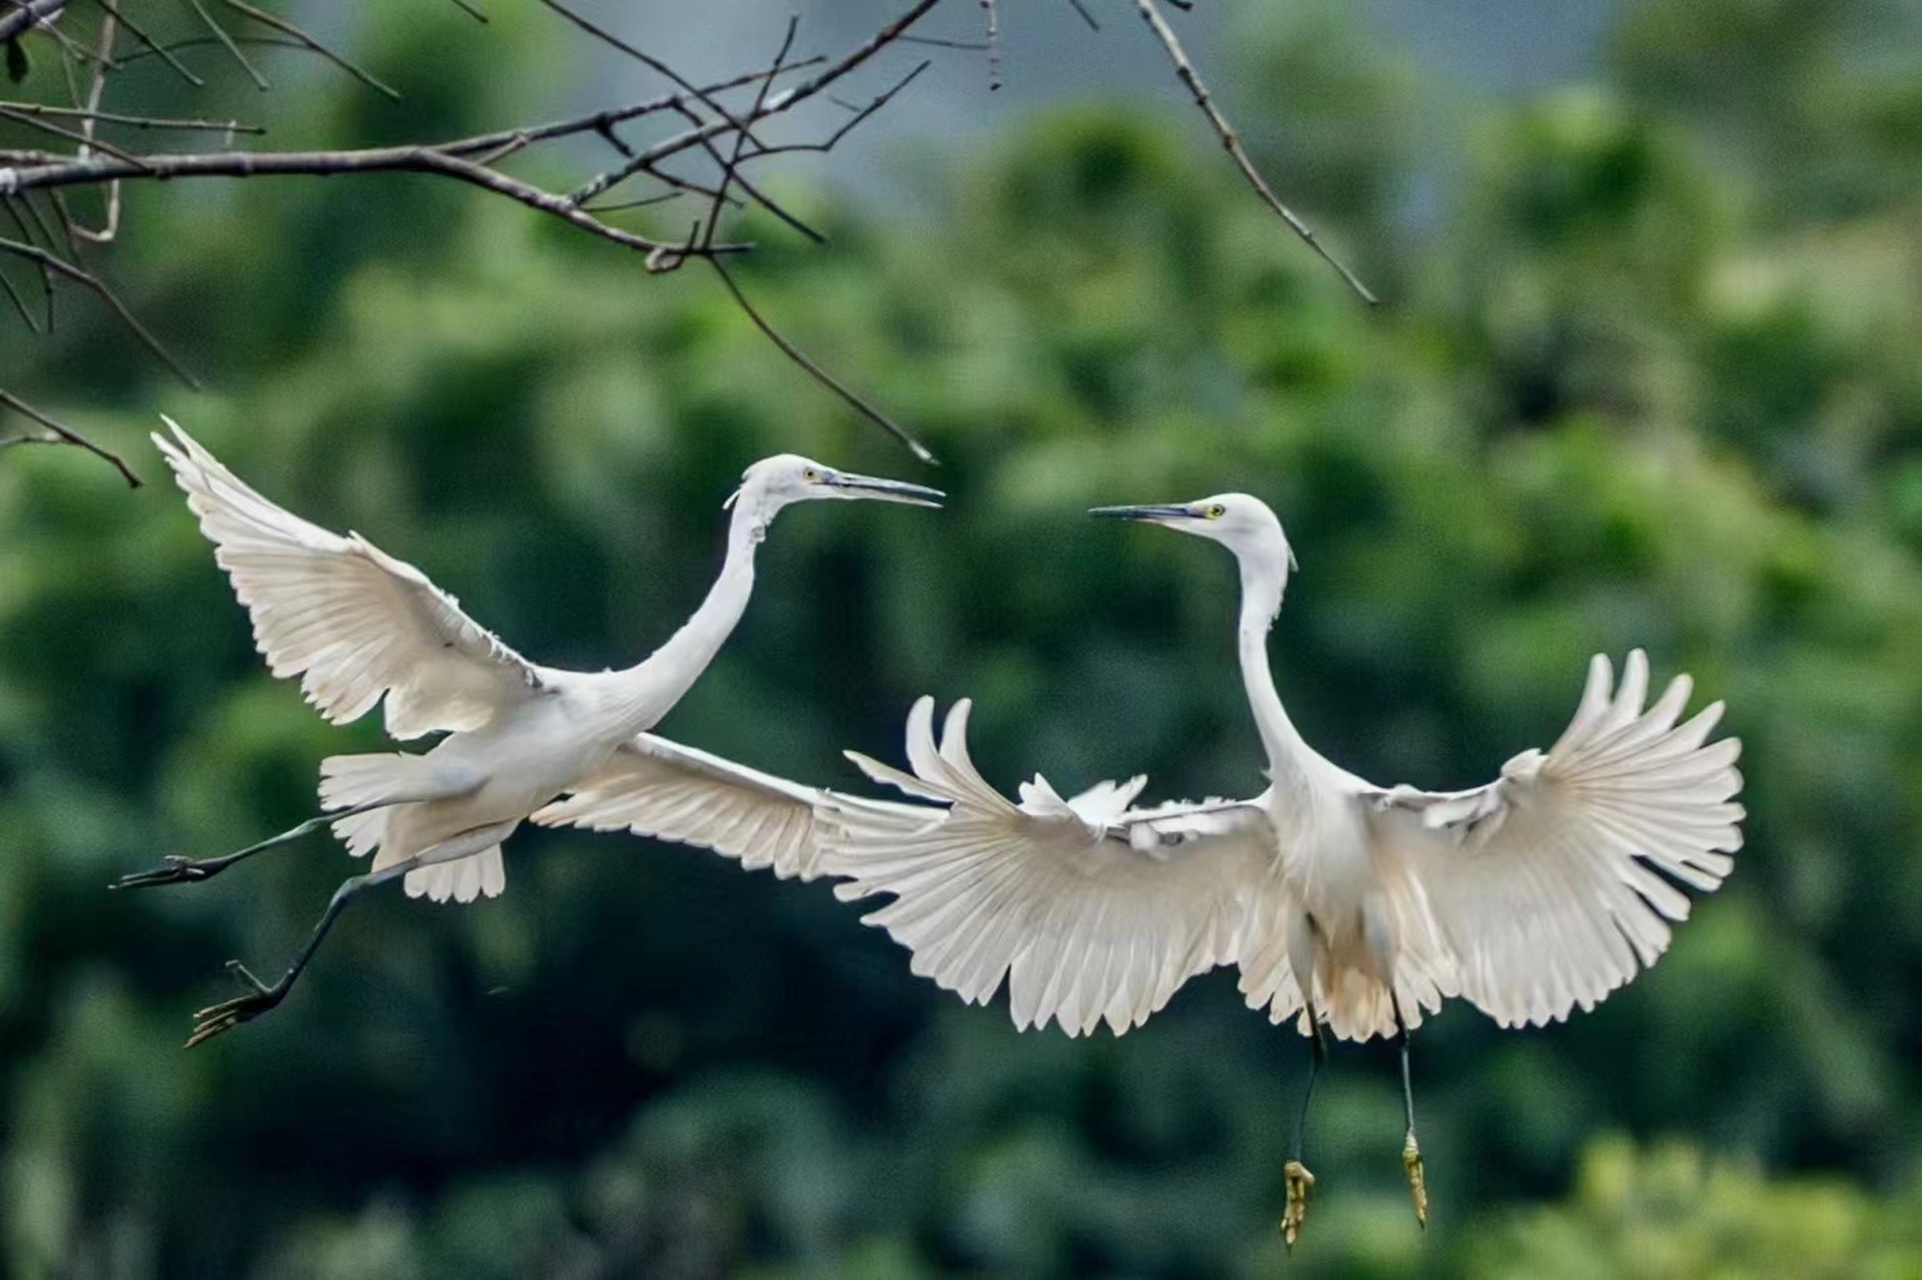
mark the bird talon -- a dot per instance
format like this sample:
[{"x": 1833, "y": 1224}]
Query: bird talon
[
  {"x": 1298, "y": 1180},
  {"x": 1417, "y": 1179},
  {"x": 228, "y": 1014}
]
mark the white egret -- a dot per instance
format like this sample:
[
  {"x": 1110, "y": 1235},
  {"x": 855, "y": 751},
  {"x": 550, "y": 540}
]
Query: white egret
[
  {"x": 1344, "y": 904},
  {"x": 358, "y": 625}
]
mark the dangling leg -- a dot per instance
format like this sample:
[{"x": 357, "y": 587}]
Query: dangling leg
[
  {"x": 1295, "y": 1174},
  {"x": 263, "y": 997},
  {"x": 177, "y": 869},
  {"x": 1410, "y": 1152}
]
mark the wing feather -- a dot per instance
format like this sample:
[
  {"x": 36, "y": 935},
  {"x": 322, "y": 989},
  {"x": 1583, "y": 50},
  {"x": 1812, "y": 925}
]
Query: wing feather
[
  {"x": 353, "y": 622},
  {"x": 1558, "y": 883},
  {"x": 1089, "y": 914},
  {"x": 654, "y": 787}
]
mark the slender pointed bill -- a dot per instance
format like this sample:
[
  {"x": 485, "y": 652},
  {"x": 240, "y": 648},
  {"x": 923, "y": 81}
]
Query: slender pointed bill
[
  {"x": 1154, "y": 513},
  {"x": 914, "y": 495}
]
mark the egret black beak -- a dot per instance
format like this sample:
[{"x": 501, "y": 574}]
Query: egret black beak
[
  {"x": 1154, "y": 513},
  {"x": 853, "y": 486}
]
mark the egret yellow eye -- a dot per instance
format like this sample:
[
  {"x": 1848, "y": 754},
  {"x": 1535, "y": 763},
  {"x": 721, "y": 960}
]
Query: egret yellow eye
[
  {"x": 1217, "y": 511},
  {"x": 811, "y": 474}
]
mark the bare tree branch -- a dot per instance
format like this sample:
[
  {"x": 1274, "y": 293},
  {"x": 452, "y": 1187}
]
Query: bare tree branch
[
  {"x": 404, "y": 159},
  {"x": 60, "y": 131},
  {"x": 159, "y": 51},
  {"x": 731, "y": 166},
  {"x": 61, "y": 267},
  {"x": 1232, "y": 141},
  {"x": 821, "y": 375},
  {"x": 19, "y": 304},
  {"x": 46, "y": 276},
  {"x": 287, "y": 28},
  {"x": 847, "y": 126},
  {"x": 994, "y": 44},
  {"x": 880, "y": 40},
  {"x": 28, "y": 13},
  {"x": 132, "y": 122},
  {"x": 64, "y": 434},
  {"x": 227, "y": 42},
  {"x": 717, "y": 134}
]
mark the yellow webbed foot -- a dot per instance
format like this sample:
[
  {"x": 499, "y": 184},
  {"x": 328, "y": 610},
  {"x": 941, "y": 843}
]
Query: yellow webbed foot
[
  {"x": 1298, "y": 1180},
  {"x": 1417, "y": 1178}
]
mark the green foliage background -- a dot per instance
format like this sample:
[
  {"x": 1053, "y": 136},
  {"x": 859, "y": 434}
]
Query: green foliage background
[{"x": 1650, "y": 376}]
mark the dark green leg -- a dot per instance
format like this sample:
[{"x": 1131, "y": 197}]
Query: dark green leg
[
  {"x": 1295, "y": 1174},
  {"x": 263, "y": 997},
  {"x": 1411, "y": 1151},
  {"x": 176, "y": 869}
]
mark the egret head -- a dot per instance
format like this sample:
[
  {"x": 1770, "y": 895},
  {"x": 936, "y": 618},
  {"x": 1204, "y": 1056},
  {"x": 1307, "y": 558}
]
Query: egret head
[
  {"x": 1240, "y": 522},
  {"x": 773, "y": 483}
]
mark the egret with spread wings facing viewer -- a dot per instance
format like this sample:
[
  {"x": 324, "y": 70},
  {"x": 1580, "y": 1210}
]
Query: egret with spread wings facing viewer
[{"x": 1345, "y": 905}]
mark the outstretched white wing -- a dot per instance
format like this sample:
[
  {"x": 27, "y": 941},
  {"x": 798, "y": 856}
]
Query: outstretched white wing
[
  {"x": 1545, "y": 883},
  {"x": 357, "y": 622},
  {"x": 654, "y": 787},
  {"x": 1091, "y": 911}
]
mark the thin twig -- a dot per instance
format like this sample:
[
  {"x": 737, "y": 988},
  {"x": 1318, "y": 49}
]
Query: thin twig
[
  {"x": 67, "y": 435},
  {"x": 855, "y": 58},
  {"x": 599, "y": 122},
  {"x": 46, "y": 276},
  {"x": 730, "y": 172},
  {"x": 201, "y": 42},
  {"x": 19, "y": 304},
  {"x": 159, "y": 51},
  {"x": 994, "y": 45},
  {"x": 470, "y": 10},
  {"x": 110, "y": 227},
  {"x": 289, "y": 29},
  {"x": 659, "y": 198},
  {"x": 60, "y": 266},
  {"x": 942, "y": 42},
  {"x": 847, "y": 126},
  {"x": 649, "y": 61},
  {"x": 135, "y": 122},
  {"x": 821, "y": 375},
  {"x": 60, "y": 131},
  {"x": 1232, "y": 141},
  {"x": 733, "y": 162},
  {"x": 227, "y": 41},
  {"x": 1081, "y": 8}
]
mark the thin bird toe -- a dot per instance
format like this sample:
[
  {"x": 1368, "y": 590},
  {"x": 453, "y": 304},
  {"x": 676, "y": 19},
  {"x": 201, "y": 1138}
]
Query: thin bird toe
[{"x": 228, "y": 1014}]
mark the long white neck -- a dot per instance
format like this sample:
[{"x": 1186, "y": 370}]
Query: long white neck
[
  {"x": 1264, "y": 575},
  {"x": 648, "y": 691}
]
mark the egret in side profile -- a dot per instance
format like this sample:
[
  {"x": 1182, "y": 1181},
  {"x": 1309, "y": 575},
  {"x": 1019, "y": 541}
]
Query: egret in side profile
[
  {"x": 1346, "y": 905},
  {"x": 358, "y": 625}
]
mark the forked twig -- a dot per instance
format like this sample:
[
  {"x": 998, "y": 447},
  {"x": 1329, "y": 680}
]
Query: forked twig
[
  {"x": 65, "y": 434},
  {"x": 60, "y": 266}
]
